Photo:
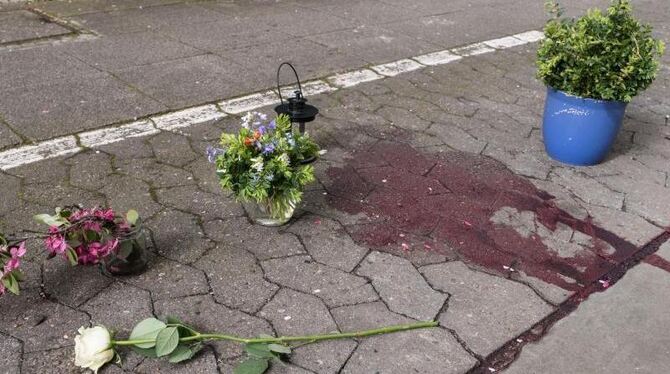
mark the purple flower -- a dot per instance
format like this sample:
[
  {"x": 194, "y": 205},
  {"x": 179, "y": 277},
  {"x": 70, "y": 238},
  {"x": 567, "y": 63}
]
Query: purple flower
[
  {"x": 213, "y": 153},
  {"x": 262, "y": 130},
  {"x": 272, "y": 125},
  {"x": 269, "y": 149}
]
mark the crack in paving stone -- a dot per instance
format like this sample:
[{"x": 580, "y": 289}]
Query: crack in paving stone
[{"x": 415, "y": 212}]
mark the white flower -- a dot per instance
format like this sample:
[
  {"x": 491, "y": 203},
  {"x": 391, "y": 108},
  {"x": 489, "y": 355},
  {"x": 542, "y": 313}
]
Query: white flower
[
  {"x": 284, "y": 157},
  {"x": 257, "y": 163},
  {"x": 246, "y": 120},
  {"x": 323, "y": 152},
  {"x": 93, "y": 348}
]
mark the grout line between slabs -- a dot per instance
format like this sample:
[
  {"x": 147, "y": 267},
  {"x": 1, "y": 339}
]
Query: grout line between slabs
[{"x": 70, "y": 144}]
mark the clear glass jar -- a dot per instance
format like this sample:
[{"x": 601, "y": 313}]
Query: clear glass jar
[
  {"x": 130, "y": 257},
  {"x": 261, "y": 213}
]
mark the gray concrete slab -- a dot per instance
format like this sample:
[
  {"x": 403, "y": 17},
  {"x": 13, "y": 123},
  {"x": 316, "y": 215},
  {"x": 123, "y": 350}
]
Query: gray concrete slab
[
  {"x": 74, "y": 7},
  {"x": 366, "y": 12},
  {"x": 226, "y": 35},
  {"x": 27, "y": 68},
  {"x": 193, "y": 80},
  {"x": 311, "y": 59},
  {"x": 452, "y": 29},
  {"x": 22, "y": 25},
  {"x": 622, "y": 330},
  {"x": 73, "y": 105},
  {"x": 8, "y": 138},
  {"x": 374, "y": 44},
  {"x": 118, "y": 52}
]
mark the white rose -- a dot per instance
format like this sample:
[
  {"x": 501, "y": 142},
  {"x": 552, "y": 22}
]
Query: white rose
[{"x": 93, "y": 348}]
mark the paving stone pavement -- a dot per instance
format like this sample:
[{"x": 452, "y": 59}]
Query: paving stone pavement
[
  {"x": 435, "y": 200},
  {"x": 69, "y": 66}
]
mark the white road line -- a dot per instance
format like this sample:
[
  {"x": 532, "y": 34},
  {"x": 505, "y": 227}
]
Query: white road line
[
  {"x": 506, "y": 42},
  {"x": 97, "y": 138},
  {"x": 530, "y": 36},
  {"x": 249, "y": 102},
  {"x": 67, "y": 145},
  {"x": 473, "y": 49},
  {"x": 32, "y": 153},
  {"x": 309, "y": 88},
  {"x": 397, "y": 67},
  {"x": 438, "y": 58},
  {"x": 353, "y": 78},
  {"x": 187, "y": 117}
]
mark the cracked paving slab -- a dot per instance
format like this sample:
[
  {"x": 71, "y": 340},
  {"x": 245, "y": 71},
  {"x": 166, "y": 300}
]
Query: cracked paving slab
[
  {"x": 236, "y": 278},
  {"x": 296, "y": 313},
  {"x": 328, "y": 242},
  {"x": 419, "y": 351},
  {"x": 484, "y": 310},
  {"x": 333, "y": 286},
  {"x": 40, "y": 324},
  {"x": 401, "y": 286},
  {"x": 203, "y": 313}
]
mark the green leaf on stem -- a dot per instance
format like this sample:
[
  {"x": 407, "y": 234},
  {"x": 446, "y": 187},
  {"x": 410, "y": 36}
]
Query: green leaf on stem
[
  {"x": 181, "y": 353},
  {"x": 279, "y": 348},
  {"x": 172, "y": 320},
  {"x": 49, "y": 220},
  {"x": 132, "y": 216},
  {"x": 184, "y": 329},
  {"x": 259, "y": 350},
  {"x": 11, "y": 284},
  {"x": 72, "y": 256},
  {"x": 146, "y": 352},
  {"x": 148, "y": 329},
  {"x": 166, "y": 341},
  {"x": 252, "y": 365},
  {"x": 18, "y": 275}
]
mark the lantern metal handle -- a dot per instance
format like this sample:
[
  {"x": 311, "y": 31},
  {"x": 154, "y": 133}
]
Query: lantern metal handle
[{"x": 296, "y": 78}]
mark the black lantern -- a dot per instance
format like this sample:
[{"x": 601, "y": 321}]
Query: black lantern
[{"x": 296, "y": 107}]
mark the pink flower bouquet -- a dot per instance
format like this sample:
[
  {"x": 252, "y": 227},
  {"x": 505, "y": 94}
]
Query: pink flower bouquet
[
  {"x": 10, "y": 261},
  {"x": 86, "y": 236}
]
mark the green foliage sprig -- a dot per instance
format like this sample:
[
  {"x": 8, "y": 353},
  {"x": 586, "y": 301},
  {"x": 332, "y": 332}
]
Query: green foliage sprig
[
  {"x": 263, "y": 163},
  {"x": 605, "y": 56}
]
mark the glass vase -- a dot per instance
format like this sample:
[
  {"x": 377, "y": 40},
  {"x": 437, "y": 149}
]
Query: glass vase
[
  {"x": 262, "y": 214},
  {"x": 130, "y": 257}
]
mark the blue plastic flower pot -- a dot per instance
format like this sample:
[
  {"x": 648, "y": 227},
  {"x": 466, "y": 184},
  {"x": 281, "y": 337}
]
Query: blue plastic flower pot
[{"x": 580, "y": 131}]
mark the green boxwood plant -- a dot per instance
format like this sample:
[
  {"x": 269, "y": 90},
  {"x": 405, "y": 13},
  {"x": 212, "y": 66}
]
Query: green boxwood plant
[{"x": 605, "y": 56}]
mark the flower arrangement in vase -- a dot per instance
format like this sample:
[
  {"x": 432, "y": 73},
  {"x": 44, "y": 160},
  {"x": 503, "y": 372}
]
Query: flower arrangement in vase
[
  {"x": 11, "y": 253},
  {"x": 266, "y": 167},
  {"x": 97, "y": 236}
]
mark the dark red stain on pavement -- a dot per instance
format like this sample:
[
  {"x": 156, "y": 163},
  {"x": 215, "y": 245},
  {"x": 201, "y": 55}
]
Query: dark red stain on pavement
[
  {"x": 445, "y": 203},
  {"x": 658, "y": 261}
]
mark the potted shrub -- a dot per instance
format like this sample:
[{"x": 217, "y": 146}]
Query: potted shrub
[
  {"x": 593, "y": 67},
  {"x": 97, "y": 236},
  {"x": 265, "y": 166}
]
